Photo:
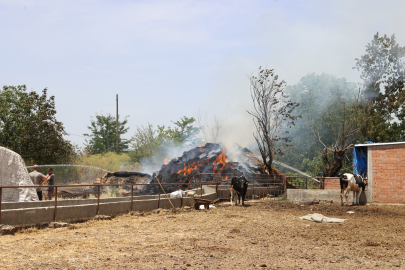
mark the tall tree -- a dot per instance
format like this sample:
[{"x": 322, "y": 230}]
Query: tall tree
[
  {"x": 149, "y": 143},
  {"x": 272, "y": 114},
  {"x": 347, "y": 131},
  {"x": 29, "y": 127},
  {"x": 184, "y": 132},
  {"x": 103, "y": 135},
  {"x": 322, "y": 99},
  {"x": 146, "y": 142},
  {"x": 382, "y": 70}
]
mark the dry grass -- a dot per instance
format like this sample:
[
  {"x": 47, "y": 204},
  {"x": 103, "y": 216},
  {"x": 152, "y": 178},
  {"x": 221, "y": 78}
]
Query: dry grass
[{"x": 263, "y": 235}]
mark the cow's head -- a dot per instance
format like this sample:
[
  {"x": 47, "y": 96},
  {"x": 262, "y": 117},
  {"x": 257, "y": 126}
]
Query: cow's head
[
  {"x": 343, "y": 177},
  {"x": 243, "y": 181}
]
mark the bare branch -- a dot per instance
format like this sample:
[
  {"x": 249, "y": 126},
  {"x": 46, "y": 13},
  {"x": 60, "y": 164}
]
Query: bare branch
[{"x": 271, "y": 112}]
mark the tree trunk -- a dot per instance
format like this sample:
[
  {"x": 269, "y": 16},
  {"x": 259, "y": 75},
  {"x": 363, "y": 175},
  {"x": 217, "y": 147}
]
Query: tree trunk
[
  {"x": 325, "y": 161},
  {"x": 332, "y": 171}
]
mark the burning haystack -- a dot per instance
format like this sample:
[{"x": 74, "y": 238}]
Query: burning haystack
[{"x": 207, "y": 162}]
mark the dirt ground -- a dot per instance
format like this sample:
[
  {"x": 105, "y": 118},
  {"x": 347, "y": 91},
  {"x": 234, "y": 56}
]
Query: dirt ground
[{"x": 262, "y": 235}]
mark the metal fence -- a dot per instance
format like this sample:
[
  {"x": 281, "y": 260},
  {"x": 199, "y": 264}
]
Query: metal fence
[
  {"x": 302, "y": 182},
  {"x": 260, "y": 186}
]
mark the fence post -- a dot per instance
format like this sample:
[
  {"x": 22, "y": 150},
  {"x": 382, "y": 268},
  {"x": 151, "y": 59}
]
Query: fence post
[
  {"x": 56, "y": 204},
  {"x": 132, "y": 196},
  {"x": 216, "y": 186},
  {"x": 306, "y": 183},
  {"x": 1, "y": 195},
  {"x": 201, "y": 186},
  {"x": 285, "y": 185},
  {"x": 98, "y": 199},
  {"x": 159, "y": 198}
]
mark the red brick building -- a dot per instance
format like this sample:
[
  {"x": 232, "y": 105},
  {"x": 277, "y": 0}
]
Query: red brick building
[{"x": 385, "y": 172}]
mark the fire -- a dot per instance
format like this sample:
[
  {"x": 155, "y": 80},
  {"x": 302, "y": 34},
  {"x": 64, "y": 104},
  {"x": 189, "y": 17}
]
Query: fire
[
  {"x": 187, "y": 169},
  {"x": 165, "y": 161},
  {"x": 219, "y": 165},
  {"x": 221, "y": 159}
]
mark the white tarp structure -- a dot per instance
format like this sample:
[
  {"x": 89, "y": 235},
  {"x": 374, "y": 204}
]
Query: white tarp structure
[
  {"x": 321, "y": 218},
  {"x": 14, "y": 173}
]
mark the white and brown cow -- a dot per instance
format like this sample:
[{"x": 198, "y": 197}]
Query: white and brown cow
[{"x": 354, "y": 183}]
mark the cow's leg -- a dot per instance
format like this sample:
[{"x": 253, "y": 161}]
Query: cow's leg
[
  {"x": 243, "y": 197},
  {"x": 358, "y": 196},
  {"x": 342, "y": 191},
  {"x": 239, "y": 197},
  {"x": 354, "y": 197},
  {"x": 231, "y": 196},
  {"x": 347, "y": 196}
]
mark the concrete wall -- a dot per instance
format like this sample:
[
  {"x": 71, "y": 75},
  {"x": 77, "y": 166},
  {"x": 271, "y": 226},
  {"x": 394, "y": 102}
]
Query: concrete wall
[
  {"x": 319, "y": 194},
  {"x": 224, "y": 192},
  {"x": 30, "y": 213}
]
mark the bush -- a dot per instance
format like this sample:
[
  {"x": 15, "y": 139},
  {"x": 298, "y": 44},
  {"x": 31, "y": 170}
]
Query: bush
[{"x": 110, "y": 161}]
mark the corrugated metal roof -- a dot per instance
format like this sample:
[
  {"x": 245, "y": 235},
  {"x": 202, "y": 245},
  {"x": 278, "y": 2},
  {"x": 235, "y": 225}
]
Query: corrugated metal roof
[{"x": 378, "y": 144}]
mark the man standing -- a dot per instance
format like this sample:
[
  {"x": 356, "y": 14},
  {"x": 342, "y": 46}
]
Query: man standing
[
  {"x": 37, "y": 178},
  {"x": 50, "y": 179}
]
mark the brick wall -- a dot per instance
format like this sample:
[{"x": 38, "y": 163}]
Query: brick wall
[
  {"x": 388, "y": 174},
  {"x": 332, "y": 183}
]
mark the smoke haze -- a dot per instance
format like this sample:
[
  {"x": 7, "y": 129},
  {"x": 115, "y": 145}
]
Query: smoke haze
[{"x": 166, "y": 59}]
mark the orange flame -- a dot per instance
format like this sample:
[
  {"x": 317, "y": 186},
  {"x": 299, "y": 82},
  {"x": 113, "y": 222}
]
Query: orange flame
[
  {"x": 165, "y": 161},
  {"x": 221, "y": 159},
  {"x": 187, "y": 169}
]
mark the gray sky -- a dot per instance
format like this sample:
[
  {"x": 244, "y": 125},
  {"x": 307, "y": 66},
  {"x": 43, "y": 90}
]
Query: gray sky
[{"x": 168, "y": 59}]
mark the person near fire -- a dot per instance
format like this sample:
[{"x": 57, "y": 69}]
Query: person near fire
[
  {"x": 50, "y": 179},
  {"x": 37, "y": 178}
]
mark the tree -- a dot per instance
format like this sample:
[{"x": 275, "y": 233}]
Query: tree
[
  {"x": 183, "y": 132},
  {"x": 29, "y": 127},
  {"x": 322, "y": 98},
  {"x": 348, "y": 131},
  {"x": 149, "y": 143},
  {"x": 103, "y": 135},
  {"x": 383, "y": 74},
  {"x": 210, "y": 132},
  {"x": 146, "y": 142},
  {"x": 272, "y": 113}
]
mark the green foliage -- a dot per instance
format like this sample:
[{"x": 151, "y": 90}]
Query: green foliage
[
  {"x": 322, "y": 101},
  {"x": 114, "y": 191},
  {"x": 183, "y": 132},
  {"x": 149, "y": 143},
  {"x": 383, "y": 73},
  {"x": 104, "y": 136},
  {"x": 110, "y": 161},
  {"x": 29, "y": 127},
  {"x": 146, "y": 143}
]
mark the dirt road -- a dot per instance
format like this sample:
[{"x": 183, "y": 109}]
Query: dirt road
[{"x": 262, "y": 235}]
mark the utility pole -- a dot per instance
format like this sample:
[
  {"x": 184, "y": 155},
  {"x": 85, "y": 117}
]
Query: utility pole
[{"x": 116, "y": 143}]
